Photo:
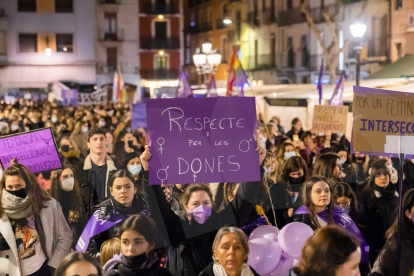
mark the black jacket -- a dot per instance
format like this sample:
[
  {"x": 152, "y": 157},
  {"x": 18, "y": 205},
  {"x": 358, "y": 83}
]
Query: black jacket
[
  {"x": 105, "y": 209},
  {"x": 291, "y": 132},
  {"x": 86, "y": 179},
  {"x": 386, "y": 263},
  {"x": 191, "y": 242},
  {"x": 209, "y": 271},
  {"x": 153, "y": 269},
  {"x": 375, "y": 216}
]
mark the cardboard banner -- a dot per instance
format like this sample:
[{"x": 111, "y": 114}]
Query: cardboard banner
[
  {"x": 333, "y": 118},
  {"x": 202, "y": 140},
  {"x": 36, "y": 150},
  {"x": 139, "y": 116},
  {"x": 383, "y": 122},
  {"x": 100, "y": 96},
  {"x": 70, "y": 97}
]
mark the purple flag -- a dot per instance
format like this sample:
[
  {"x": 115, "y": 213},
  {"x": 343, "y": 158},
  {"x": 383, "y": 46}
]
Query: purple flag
[
  {"x": 36, "y": 150},
  {"x": 202, "y": 140},
  {"x": 212, "y": 88},
  {"x": 184, "y": 87},
  {"x": 320, "y": 84},
  {"x": 338, "y": 94}
]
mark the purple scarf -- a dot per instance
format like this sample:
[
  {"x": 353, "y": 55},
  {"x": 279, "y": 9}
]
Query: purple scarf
[{"x": 343, "y": 219}]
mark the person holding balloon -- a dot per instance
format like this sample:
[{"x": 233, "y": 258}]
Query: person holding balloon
[
  {"x": 192, "y": 235},
  {"x": 230, "y": 254}
]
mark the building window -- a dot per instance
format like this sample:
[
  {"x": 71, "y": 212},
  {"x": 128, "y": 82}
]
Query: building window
[
  {"x": 273, "y": 50},
  {"x": 263, "y": 5},
  {"x": 111, "y": 59},
  {"x": 64, "y": 43},
  {"x": 290, "y": 53},
  {"x": 289, "y": 4},
  {"x": 238, "y": 25},
  {"x": 161, "y": 62},
  {"x": 26, "y": 5},
  {"x": 64, "y": 5},
  {"x": 399, "y": 50},
  {"x": 224, "y": 49},
  {"x": 161, "y": 29},
  {"x": 28, "y": 43},
  {"x": 305, "y": 52},
  {"x": 256, "y": 53},
  {"x": 110, "y": 26}
]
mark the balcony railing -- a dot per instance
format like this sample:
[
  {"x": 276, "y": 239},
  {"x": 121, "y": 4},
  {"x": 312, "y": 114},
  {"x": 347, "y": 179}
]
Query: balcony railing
[
  {"x": 220, "y": 24},
  {"x": 376, "y": 47},
  {"x": 160, "y": 43},
  {"x": 159, "y": 74},
  {"x": 105, "y": 69},
  {"x": 161, "y": 9},
  {"x": 290, "y": 17},
  {"x": 253, "y": 19},
  {"x": 105, "y": 35},
  {"x": 269, "y": 16},
  {"x": 204, "y": 27}
]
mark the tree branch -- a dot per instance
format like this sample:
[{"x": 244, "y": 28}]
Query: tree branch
[{"x": 305, "y": 10}]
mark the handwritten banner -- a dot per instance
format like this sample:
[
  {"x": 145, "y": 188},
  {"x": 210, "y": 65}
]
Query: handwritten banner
[
  {"x": 383, "y": 122},
  {"x": 202, "y": 140},
  {"x": 36, "y": 150},
  {"x": 99, "y": 96},
  {"x": 329, "y": 118}
]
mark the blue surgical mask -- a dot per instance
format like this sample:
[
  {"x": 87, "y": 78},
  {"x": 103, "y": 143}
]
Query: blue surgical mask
[
  {"x": 128, "y": 129},
  {"x": 268, "y": 170},
  {"x": 340, "y": 134},
  {"x": 135, "y": 169},
  {"x": 289, "y": 154},
  {"x": 54, "y": 119},
  {"x": 85, "y": 129},
  {"x": 342, "y": 161},
  {"x": 14, "y": 127}
]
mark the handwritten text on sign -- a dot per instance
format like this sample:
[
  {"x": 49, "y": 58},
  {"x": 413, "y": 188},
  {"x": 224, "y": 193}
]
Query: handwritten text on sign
[
  {"x": 329, "y": 118},
  {"x": 381, "y": 117},
  {"x": 35, "y": 149},
  {"x": 202, "y": 140}
]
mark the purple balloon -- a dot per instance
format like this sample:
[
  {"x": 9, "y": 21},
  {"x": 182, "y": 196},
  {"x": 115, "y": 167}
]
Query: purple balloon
[
  {"x": 284, "y": 267},
  {"x": 264, "y": 255},
  {"x": 292, "y": 238},
  {"x": 265, "y": 231}
]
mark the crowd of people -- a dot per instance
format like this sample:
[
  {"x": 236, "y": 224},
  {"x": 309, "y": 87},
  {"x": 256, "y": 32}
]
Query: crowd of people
[{"x": 101, "y": 207}]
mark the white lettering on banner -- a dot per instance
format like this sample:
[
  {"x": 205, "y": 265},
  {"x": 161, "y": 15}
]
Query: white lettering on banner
[
  {"x": 209, "y": 166},
  {"x": 204, "y": 123},
  {"x": 98, "y": 97},
  {"x": 96, "y": 215}
]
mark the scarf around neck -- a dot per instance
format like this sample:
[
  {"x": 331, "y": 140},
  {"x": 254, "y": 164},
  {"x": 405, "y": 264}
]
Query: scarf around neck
[
  {"x": 15, "y": 207},
  {"x": 219, "y": 270}
]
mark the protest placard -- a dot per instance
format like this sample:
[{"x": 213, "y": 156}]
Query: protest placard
[
  {"x": 139, "y": 116},
  {"x": 36, "y": 150},
  {"x": 383, "y": 122},
  {"x": 202, "y": 140},
  {"x": 99, "y": 96},
  {"x": 70, "y": 97},
  {"x": 329, "y": 118}
]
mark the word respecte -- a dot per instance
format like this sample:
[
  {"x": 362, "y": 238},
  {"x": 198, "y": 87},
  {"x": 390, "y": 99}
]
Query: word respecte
[{"x": 176, "y": 115}]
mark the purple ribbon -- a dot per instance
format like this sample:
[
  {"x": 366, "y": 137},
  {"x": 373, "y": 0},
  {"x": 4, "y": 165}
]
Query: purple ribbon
[
  {"x": 94, "y": 227},
  {"x": 343, "y": 219}
]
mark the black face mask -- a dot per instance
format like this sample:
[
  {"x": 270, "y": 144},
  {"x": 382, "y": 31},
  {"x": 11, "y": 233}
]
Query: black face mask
[
  {"x": 22, "y": 193},
  {"x": 296, "y": 180},
  {"x": 136, "y": 261},
  {"x": 65, "y": 148}
]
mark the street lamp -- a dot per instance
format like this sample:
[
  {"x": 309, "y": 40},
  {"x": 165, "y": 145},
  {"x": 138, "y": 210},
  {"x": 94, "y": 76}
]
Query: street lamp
[
  {"x": 207, "y": 60},
  {"x": 358, "y": 30}
]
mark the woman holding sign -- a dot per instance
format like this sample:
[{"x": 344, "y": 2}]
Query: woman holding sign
[
  {"x": 192, "y": 235},
  {"x": 111, "y": 212},
  {"x": 34, "y": 235}
]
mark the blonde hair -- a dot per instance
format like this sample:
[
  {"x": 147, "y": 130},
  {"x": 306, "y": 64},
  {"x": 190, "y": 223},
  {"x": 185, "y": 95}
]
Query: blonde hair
[{"x": 110, "y": 248}]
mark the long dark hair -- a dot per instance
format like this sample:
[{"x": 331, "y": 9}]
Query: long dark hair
[
  {"x": 325, "y": 165},
  {"x": 37, "y": 196},
  {"x": 75, "y": 257},
  {"x": 307, "y": 189},
  {"x": 343, "y": 189},
  {"x": 294, "y": 164},
  {"x": 377, "y": 167},
  {"x": 407, "y": 225},
  {"x": 327, "y": 249},
  {"x": 76, "y": 204}
]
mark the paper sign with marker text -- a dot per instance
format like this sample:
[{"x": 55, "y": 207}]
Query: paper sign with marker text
[
  {"x": 202, "y": 140},
  {"x": 383, "y": 122},
  {"x": 36, "y": 150},
  {"x": 329, "y": 118}
]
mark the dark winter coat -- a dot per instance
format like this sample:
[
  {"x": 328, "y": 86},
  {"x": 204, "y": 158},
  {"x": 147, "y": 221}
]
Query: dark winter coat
[
  {"x": 191, "y": 243},
  {"x": 118, "y": 267},
  {"x": 386, "y": 263}
]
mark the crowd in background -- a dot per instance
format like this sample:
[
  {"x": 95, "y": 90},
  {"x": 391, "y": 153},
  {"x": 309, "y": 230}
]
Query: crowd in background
[{"x": 190, "y": 228}]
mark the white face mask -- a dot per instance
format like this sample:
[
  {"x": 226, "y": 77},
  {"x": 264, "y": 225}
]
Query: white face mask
[
  {"x": 389, "y": 166},
  {"x": 102, "y": 123},
  {"x": 67, "y": 184},
  {"x": 14, "y": 127},
  {"x": 342, "y": 161},
  {"x": 54, "y": 119},
  {"x": 135, "y": 169},
  {"x": 289, "y": 154},
  {"x": 85, "y": 129}
]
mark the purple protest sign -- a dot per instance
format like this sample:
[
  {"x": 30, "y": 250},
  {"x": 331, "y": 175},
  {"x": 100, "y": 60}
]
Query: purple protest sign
[
  {"x": 70, "y": 97},
  {"x": 34, "y": 149},
  {"x": 202, "y": 140},
  {"x": 139, "y": 116}
]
